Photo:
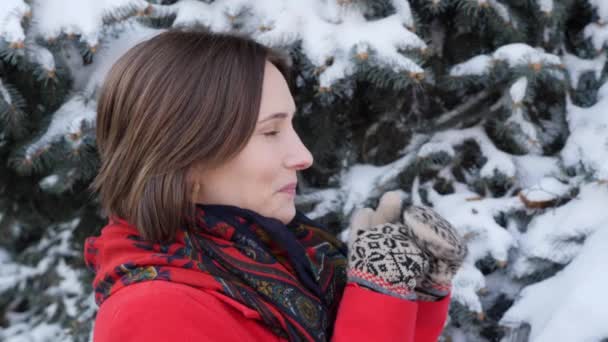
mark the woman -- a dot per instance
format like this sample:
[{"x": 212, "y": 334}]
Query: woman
[{"x": 198, "y": 178}]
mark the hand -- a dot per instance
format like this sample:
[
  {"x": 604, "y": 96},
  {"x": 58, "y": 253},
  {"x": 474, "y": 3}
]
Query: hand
[
  {"x": 442, "y": 244},
  {"x": 382, "y": 255}
]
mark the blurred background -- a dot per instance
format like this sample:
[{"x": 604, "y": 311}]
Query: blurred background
[{"x": 494, "y": 112}]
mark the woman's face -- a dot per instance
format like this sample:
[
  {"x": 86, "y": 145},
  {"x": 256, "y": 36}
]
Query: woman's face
[{"x": 268, "y": 163}]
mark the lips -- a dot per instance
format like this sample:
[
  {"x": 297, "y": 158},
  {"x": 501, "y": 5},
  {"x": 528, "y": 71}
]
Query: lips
[{"x": 289, "y": 188}]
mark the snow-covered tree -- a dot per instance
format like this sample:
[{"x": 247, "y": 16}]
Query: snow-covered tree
[{"x": 494, "y": 112}]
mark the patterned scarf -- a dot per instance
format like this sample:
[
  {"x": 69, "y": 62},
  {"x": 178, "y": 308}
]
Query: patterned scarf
[{"x": 293, "y": 274}]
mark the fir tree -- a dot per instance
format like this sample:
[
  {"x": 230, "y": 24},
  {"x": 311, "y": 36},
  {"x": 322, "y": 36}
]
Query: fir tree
[{"x": 494, "y": 112}]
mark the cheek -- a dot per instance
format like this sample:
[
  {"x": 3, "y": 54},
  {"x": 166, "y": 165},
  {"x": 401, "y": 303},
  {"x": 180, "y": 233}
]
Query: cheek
[
  {"x": 262, "y": 164},
  {"x": 261, "y": 178},
  {"x": 258, "y": 172},
  {"x": 267, "y": 176}
]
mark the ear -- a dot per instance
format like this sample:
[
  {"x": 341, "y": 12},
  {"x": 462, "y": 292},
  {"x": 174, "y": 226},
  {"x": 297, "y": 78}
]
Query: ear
[{"x": 193, "y": 181}]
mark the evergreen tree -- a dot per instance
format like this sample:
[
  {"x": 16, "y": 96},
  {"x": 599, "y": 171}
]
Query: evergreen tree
[{"x": 494, "y": 112}]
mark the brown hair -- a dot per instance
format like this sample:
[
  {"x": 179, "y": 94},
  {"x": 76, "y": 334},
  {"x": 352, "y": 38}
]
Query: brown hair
[{"x": 176, "y": 101}]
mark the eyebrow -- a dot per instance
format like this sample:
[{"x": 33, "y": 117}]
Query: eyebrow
[{"x": 280, "y": 115}]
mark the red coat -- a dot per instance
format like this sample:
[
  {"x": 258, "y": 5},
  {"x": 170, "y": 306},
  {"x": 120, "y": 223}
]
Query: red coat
[{"x": 159, "y": 310}]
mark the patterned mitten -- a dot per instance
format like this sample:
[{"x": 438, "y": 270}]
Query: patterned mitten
[
  {"x": 444, "y": 247},
  {"x": 382, "y": 256}
]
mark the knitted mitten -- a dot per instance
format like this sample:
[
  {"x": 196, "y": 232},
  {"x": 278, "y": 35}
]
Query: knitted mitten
[
  {"x": 382, "y": 256},
  {"x": 442, "y": 244}
]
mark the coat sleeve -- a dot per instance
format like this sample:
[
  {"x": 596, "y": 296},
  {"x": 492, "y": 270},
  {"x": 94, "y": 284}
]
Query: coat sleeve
[
  {"x": 163, "y": 315},
  {"x": 431, "y": 319},
  {"x": 366, "y": 315}
]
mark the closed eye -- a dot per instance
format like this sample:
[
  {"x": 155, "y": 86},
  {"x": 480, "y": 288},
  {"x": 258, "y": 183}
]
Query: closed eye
[{"x": 271, "y": 134}]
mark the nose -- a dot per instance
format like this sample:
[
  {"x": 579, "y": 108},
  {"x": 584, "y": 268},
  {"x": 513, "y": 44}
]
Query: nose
[{"x": 299, "y": 157}]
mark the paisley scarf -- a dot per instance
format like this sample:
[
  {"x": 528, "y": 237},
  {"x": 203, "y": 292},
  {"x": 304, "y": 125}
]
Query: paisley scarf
[{"x": 293, "y": 275}]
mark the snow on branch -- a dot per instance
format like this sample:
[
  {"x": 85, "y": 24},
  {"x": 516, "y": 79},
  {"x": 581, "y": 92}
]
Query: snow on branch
[
  {"x": 118, "y": 39},
  {"x": 598, "y": 31},
  {"x": 588, "y": 127},
  {"x": 557, "y": 234},
  {"x": 499, "y": 8},
  {"x": 497, "y": 160},
  {"x": 325, "y": 201},
  {"x": 326, "y": 30},
  {"x": 546, "y": 6},
  {"x": 66, "y": 123},
  {"x": 546, "y": 193},
  {"x": 404, "y": 11},
  {"x": 76, "y": 17},
  {"x": 56, "y": 243},
  {"x": 473, "y": 217},
  {"x": 601, "y": 6},
  {"x": 55, "y": 247},
  {"x": 578, "y": 283},
  {"x": 42, "y": 57},
  {"x": 577, "y": 66},
  {"x": 11, "y": 14},
  {"x": 515, "y": 55}
]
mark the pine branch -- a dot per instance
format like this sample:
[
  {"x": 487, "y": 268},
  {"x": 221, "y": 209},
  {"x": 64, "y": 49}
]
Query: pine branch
[{"x": 449, "y": 118}]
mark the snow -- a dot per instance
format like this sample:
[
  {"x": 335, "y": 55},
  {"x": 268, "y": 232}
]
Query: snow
[
  {"x": 475, "y": 66},
  {"x": 48, "y": 182},
  {"x": 598, "y": 34},
  {"x": 25, "y": 331},
  {"x": 518, "y": 90},
  {"x": 190, "y": 12},
  {"x": 573, "y": 235},
  {"x": 66, "y": 120},
  {"x": 12, "y": 273},
  {"x": 10, "y": 20},
  {"x": 4, "y": 256},
  {"x": 500, "y": 9},
  {"x": 81, "y": 108},
  {"x": 498, "y": 161},
  {"x": 553, "y": 235},
  {"x": 473, "y": 218},
  {"x": 569, "y": 306},
  {"x": 327, "y": 201},
  {"x": 54, "y": 17},
  {"x": 601, "y": 7},
  {"x": 436, "y": 147},
  {"x": 41, "y": 56},
  {"x": 467, "y": 283},
  {"x": 404, "y": 11},
  {"x": 547, "y": 189},
  {"x": 6, "y": 96},
  {"x": 324, "y": 31},
  {"x": 69, "y": 287},
  {"x": 362, "y": 182},
  {"x": 128, "y": 34},
  {"x": 517, "y": 54},
  {"x": 588, "y": 140},
  {"x": 547, "y": 33},
  {"x": 545, "y": 5},
  {"x": 528, "y": 129},
  {"x": 577, "y": 66},
  {"x": 531, "y": 169},
  {"x": 56, "y": 244}
]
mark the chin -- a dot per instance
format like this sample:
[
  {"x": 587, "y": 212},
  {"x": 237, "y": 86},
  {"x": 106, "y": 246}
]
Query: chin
[{"x": 287, "y": 214}]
